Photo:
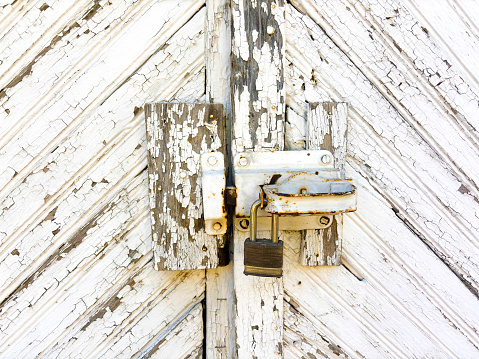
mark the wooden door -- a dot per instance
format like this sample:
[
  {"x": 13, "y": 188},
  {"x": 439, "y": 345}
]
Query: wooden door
[
  {"x": 75, "y": 237},
  {"x": 76, "y": 267}
]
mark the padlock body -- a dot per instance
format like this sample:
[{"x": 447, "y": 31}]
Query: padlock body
[{"x": 263, "y": 258}]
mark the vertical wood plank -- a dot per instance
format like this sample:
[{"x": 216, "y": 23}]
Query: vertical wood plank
[
  {"x": 258, "y": 124},
  {"x": 326, "y": 130},
  {"x": 177, "y": 134},
  {"x": 220, "y": 332}
]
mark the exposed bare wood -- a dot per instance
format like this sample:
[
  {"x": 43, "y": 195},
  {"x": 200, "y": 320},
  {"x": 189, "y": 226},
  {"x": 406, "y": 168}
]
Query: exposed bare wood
[
  {"x": 220, "y": 331},
  {"x": 258, "y": 124},
  {"x": 177, "y": 135},
  {"x": 327, "y": 127}
]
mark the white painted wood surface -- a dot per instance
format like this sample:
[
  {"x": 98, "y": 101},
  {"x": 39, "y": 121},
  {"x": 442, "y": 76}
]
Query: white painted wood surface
[
  {"x": 258, "y": 38},
  {"x": 77, "y": 276},
  {"x": 76, "y": 258},
  {"x": 406, "y": 288},
  {"x": 219, "y": 321},
  {"x": 327, "y": 125}
]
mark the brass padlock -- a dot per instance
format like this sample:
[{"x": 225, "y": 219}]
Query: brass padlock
[{"x": 263, "y": 257}]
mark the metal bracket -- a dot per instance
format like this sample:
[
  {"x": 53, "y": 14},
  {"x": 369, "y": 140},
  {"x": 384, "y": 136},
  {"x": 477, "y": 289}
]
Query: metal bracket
[
  {"x": 213, "y": 182},
  {"x": 303, "y": 184}
]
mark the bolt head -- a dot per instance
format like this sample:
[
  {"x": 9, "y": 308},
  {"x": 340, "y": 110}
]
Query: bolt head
[
  {"x": 217, "y": 226},
  {"x": 182, "y": 174}
]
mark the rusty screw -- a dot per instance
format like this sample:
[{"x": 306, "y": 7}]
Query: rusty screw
[
  {"x": 244, "y": 223},
  {"x": 324, "y": 220},
  {"x": 217, "y": 226}
]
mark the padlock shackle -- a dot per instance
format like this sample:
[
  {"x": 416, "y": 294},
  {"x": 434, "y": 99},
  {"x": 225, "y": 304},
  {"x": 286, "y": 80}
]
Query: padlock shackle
[{"x": 254, "y": 219}]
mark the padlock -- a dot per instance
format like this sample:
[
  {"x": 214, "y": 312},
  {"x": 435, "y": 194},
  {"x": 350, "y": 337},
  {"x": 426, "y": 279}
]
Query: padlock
[{"x": 263, "y": 257}]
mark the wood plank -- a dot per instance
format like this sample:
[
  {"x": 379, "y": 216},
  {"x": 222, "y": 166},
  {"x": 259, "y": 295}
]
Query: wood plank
[
  {"x": 326, "y": 130},
  {"x": 220, "y": 333},
  {"x": 177, "y": 134},
  {"x": 258, "y": 124}
]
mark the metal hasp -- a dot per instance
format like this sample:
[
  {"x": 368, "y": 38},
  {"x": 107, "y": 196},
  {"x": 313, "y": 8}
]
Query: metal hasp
[
  {"x": 297, "y": 184},
  {"x": 294, "y": 183},
  {"x": 213, "y": 184},
  {"x": 311, "y": 193}
]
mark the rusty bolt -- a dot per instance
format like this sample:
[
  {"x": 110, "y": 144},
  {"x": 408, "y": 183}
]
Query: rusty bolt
[
  {"x": 324, "y": 220},
  {"x": 212, "y": 160},
  {"x": 244, "y": 223},
  {"x": 303, "y": 191},
  {"x": 217, "y": 226}
]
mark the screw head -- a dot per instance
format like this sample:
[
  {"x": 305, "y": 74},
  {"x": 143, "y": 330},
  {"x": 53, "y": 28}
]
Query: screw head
[
  {"x": 243, "y": 161},
  {"x": 182, "y": 174},
  {"x": 244, "y": 223},
  {"x": 217, "y": 226},
  {"x": 324, "y": 220},
  {"x": 326, "y": 159},
  {"x": 270, "y": 30},
  {"x": 212, "y": 160}
]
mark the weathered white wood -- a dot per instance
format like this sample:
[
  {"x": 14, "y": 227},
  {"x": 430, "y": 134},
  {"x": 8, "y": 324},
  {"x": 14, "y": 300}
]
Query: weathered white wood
[
  {"x": 177, "y": 134},
  {"x": 425, "y": 189},
  {"x": 88, "y": 164},
  {"x": 74, "y": 225},
  {"x": 389, "y": 249},
  {"x": 220, "y": 329},
  {"x": 258, "y": 124},
  {"x": 327, "y": 128},
  {"x": 379, "y": 305}
]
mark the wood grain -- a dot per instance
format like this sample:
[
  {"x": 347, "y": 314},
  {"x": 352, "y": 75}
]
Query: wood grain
[
  {"x": 258, "y": 124},
  {"x": 177, "y": 134},
  {"x": 326, "y": 130}
]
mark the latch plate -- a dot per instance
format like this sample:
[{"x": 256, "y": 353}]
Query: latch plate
[{"x": 213, "y": 183}]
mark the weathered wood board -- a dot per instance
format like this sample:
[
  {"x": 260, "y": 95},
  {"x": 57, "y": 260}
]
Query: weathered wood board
[
  {"x": 177, "y": 135},
  {"x": 258, "y": 112},
  {"x": 76, "y": 260},
  {"x": 219, "y": 319},
  {"x": 404, "y": 288},
  {"x": 326, "y": 130}
]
